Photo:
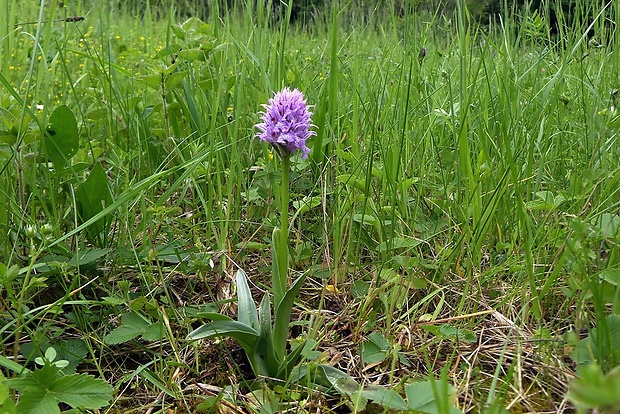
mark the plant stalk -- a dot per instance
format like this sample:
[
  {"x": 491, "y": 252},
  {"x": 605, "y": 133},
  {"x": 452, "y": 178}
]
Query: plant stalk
[{"x": 283, "y": 248}]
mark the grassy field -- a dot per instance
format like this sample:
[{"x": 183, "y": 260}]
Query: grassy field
[{"x": 455, "y": 228}]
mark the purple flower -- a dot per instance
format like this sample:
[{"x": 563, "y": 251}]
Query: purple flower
[{"x": 286, "y": 122}]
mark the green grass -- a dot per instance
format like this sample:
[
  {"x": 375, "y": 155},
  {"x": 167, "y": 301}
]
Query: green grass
[{"x": 476, "y": 190}]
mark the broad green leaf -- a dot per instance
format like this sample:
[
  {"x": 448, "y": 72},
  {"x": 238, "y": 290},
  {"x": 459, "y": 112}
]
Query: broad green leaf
[
  {"x": 359, "y": 289},
  {"x": 365, "y": 219},
  {"x": 153, "y": 81},
  {"x": 263, "y": 351},
  {"x": 61, "y": 140},
  {"x": 306, "y": 204},
  {"x": 246, "y": 308},
  {"x": 89, "y": 257},
  {"x": 264, "y": 357},
  {"x": 174, "y": 79},
  {"x": 611, "y": 276},
  {"x": 7, "y": 406},
  {"x": 374, "y": 349},
  {"x": 37, "y": 402},
  {"x": 154, "y": 332},
  {"x": 608, "y": 224},
  {"x": 421, "y": 397},
  {"x": 384, "y": 397},
  {"x": 92, "y": 197},
  {"x": 122, "y": 334},
  {"x": 214, "y": 316},
  {"x": 7, "y": 137},
  {"x": 592, "y": 389},
  {"x": 590, "y": 350},
  {"x": 133, "y": 325},
  {"x": 82, "y": 391}
]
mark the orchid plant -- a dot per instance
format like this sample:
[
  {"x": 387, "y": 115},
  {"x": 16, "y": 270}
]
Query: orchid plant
[
  {"x": 286, "y": 123},
  {"x": 286, "y": 126}
]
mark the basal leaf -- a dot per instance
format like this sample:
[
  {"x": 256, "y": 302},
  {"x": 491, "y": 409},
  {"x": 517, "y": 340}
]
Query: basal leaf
[
  {"x": 263, "y": 351},
  {"x": 232, "y": 329},
  {"x": 246, "y": 308},
  {"x": 283, "y": 316}
]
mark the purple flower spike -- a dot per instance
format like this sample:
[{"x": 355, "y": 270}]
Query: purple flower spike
[{"x": 286, "y": 122}]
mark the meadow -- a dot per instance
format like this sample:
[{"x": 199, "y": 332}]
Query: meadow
[{"x": 451, "y": 243}]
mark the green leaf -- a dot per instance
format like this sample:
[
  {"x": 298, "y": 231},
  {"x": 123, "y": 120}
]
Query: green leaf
[
  {"x": 7, "y": 406},
  {"x": 291, "y": 360},
  {"x": 306, "y": 204},
  {"x": 41, "y": 390},
  {"x": 264, "y": 354},
  {"x": 359, "y": 289},
  {"x": 154, "y": 332},
  {"x": 61, "y": 141},
  {"x": 12, "y": 365},
  {"x": 278, "y": 289},
  {"x": 398, "y": 243},
  {"x": 374, "y": 349},
  {"x": 421, "y": 397},
  {"x": 451, "y": 332},
  {"x": 246, "y": 308},
  {"x": 384, "y": 397},
  {"x": 244, "y": 334},
  {"x": 283, "y": 317},
  {"x": 89, "y": 257},
  {"x": 590, "y": 349},
  {"x": 83, "y": 391},
  {"x": 122, "y": 334},
  {"x": 608, "y": 224},
  {"x": 365, "y": 219},
  {"x": 133, "y": 325},
  {"x": 37, "y": 402},
  {"x": 92, "y": 197},
  {"x": 592, "y": 389},
  {"x": 153, "y": 81},
  {"x": 611, "y": 276},
  {"x": 174, "y": 79},
  {"x": 7, "y": 137}
]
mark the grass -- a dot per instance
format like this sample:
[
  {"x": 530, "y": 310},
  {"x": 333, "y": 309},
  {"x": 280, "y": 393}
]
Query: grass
[{"x": 462, "y": 206}]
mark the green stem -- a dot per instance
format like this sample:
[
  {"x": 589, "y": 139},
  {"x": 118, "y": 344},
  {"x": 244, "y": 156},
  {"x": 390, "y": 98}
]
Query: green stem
[{"x": 283, "y": 248}]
